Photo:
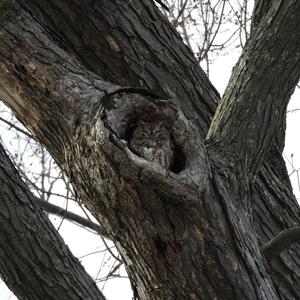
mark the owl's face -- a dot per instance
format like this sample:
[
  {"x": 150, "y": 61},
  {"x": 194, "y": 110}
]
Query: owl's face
[
  {"x": 150, "y": 134},
  {"x": 152, "y": 141}
]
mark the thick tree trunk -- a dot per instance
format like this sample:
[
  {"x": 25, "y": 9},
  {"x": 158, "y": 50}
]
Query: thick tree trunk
[
  {"x": 187, "y": 234},
  {"x": 35, "y": 263}
]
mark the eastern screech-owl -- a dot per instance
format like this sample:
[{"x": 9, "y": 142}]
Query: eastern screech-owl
[{"x": 152, "y": 141}]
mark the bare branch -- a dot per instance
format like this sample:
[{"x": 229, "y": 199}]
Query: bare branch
[
  {"x": 164, "y": 6},
  {"x": 281, "y": 242},
  {"x": 260, "y": 9},
  {"x": 35, "y": 243},
  {"x": 256, "y": 94},
  {"x": 17, "y": 128},
  {"x": 212, "y": 37},
  {"x": 56, "y": 210},
  {"x": 181, "y": 11}
]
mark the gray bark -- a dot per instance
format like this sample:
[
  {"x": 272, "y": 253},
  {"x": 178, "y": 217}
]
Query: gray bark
[
  {"x": 281, "y": 242},
  {"x": 194, "y": 234},
  {"x": 35, "y": 263}
]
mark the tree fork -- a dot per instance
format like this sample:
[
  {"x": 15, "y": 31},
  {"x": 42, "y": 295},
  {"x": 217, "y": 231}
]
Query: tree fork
[{"x": 238, "y": 269}]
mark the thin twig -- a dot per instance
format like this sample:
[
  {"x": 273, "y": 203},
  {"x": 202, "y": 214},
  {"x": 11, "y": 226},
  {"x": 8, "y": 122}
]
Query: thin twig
[
  {"x": 53, "y": 209},
  {"x": 17, "y": 128}
]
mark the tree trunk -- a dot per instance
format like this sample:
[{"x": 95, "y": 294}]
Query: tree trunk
[
  {"x": 35, "y": 263},
  {"x": 192, "y": 232}
]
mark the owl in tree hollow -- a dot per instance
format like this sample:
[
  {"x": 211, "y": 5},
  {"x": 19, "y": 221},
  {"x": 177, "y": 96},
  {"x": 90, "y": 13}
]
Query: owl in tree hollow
[{"x": 152, "y": 141}]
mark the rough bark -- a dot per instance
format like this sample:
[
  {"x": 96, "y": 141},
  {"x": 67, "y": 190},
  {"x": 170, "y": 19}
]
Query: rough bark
[
  {"x": 281, "y": 242},
  {"x": 241, "y": 127},
  {"x": 132, "y": 45},
  {"x": 35, "y": 263},
  {"x": 140, "y": 61},
  {"x": 187, "y": 235}
]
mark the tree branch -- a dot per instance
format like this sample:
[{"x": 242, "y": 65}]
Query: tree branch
[
  {"x": 281, "y": 242},
  {"x": 164, "y": 6},
  {"x": 59, "y": 211},
  {"x": 261, "y": 8},
  {"x": 163, "y": 59},
  {"x": 17, "y": 128},
  {"x": 181, "y": 10},
  {"x": 31, "y": 247},
  {"x": 255, "y": 101},
  {"x": 160, "y": 56}
]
